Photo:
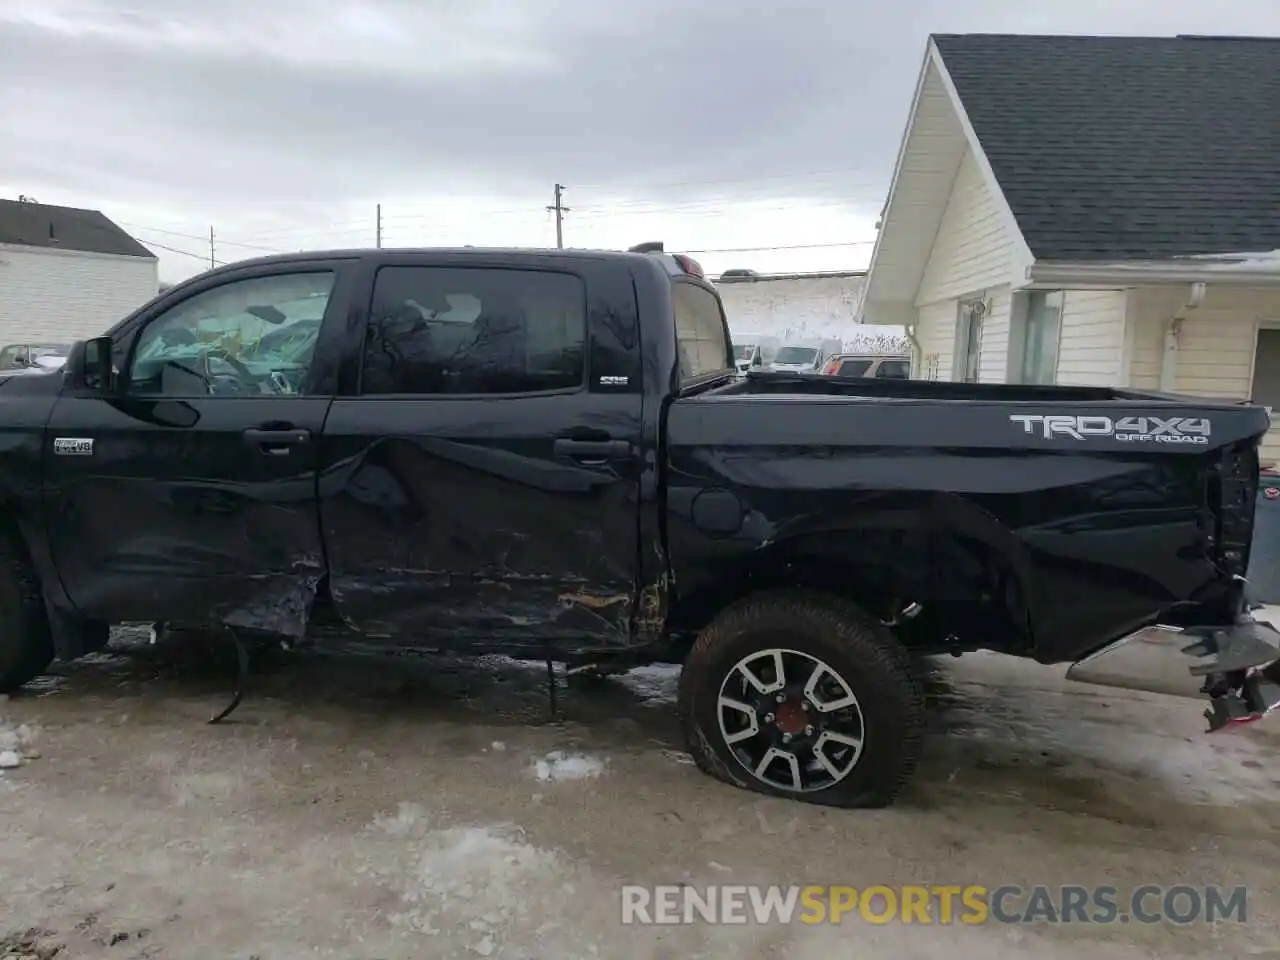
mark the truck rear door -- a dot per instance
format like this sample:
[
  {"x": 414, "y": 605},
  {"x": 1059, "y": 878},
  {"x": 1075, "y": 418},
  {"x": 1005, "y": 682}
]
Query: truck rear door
[{"x": 480, "y": 466}]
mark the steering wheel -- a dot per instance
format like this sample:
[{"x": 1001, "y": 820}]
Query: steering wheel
[{"x": 244, "y": 377}]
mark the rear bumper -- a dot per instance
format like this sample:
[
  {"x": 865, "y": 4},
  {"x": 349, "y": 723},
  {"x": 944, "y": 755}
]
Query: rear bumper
[{"x": 1236, "y": 667}]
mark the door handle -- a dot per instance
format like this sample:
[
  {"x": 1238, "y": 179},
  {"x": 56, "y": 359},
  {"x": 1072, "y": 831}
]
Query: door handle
[
  {"x": 276, "y": 443},
  {"x": 596, "y": 450}
]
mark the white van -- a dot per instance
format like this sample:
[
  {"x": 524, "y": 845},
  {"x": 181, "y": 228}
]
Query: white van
[
  {"x": 754, "y": 352},
  {"x": 805, "y": 356}
]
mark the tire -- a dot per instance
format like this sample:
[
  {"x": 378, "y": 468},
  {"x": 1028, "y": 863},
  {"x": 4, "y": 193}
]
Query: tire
[
  {"x": 26, "y": 642},
  {"x": 886, "y": 717}
]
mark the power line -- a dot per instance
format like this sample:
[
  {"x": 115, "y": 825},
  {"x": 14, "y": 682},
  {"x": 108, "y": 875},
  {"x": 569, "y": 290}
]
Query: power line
[
  {"x": 195, "y": 236},
  {"x": 838, "y": 171},
  {"x": 186, "y": 253}
]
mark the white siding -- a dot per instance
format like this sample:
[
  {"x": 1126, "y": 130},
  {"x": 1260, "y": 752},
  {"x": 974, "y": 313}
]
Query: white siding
[
  {"x": 972, "y": 256},
  {"x": 68, "y": 295},
  {"x": 1091, "y": 338},
  {"x": 995, "y": 337},
  {"x": 972, "y": 250},
  {"x": 936, "y": 334},
  {"x": 1215, "y": 349},
  {"x": 1216, "y": 344}
]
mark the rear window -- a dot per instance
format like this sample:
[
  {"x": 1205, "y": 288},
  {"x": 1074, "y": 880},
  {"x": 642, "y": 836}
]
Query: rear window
[
  {"x": 854, "y": 368},
  {"x": 702, "y": 336}
]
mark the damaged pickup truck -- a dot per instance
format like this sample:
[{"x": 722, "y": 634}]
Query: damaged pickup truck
[{"x": 551, "y": 454}]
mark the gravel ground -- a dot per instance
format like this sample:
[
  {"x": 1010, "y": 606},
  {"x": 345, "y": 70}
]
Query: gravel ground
[{"x": 368, "y": 811}]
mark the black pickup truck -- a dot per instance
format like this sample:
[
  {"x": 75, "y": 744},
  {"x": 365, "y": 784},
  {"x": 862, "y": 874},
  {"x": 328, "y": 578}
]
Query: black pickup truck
[{"x": 551, "y": 453}]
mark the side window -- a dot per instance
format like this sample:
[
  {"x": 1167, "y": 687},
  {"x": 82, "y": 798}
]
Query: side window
[
  {"x": 894, "y": 370},
  {"x": 245, "y": 338},
  {"x": 702, "y": 335},
  {"x": 469, "y": 330},
  {"x": 10, "y": 357},
  {"x": 854, "y": 368}
]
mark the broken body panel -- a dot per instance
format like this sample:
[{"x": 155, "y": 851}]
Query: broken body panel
[{"x": 613, "y": 520}]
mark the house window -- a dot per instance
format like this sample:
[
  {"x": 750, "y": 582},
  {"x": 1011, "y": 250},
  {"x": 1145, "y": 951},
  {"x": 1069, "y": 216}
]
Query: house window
[
  {"x": 969, "y": 340},
  {"x": 1040, "y": 339}
]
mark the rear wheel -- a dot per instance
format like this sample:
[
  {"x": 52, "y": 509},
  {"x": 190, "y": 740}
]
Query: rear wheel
[
  {"x": 26, "y": 643},
  {"x": 803, "y": 696}
]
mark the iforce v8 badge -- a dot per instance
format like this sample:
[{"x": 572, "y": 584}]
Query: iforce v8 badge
[{"x": 73, "y": 446}]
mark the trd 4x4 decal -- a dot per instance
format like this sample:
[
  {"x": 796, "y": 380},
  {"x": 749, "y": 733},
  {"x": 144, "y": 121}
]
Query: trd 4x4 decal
[{"x": 1193, "y": 430}]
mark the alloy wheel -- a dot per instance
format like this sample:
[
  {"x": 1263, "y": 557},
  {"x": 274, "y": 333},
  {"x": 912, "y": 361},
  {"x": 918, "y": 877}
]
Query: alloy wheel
[{"x": 791, "y": 720}]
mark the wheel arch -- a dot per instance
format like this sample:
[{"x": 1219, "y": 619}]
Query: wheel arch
[
  {"x": 72, "y": 636},
  {"x": 958, "y": 562}
]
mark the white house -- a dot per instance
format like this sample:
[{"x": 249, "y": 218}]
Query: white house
[
  {"x": 67, "y": 274},
  {"x": 1089, "y": 210}
]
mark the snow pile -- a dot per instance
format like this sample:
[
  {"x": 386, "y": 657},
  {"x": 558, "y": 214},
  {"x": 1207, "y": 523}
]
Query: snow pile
[
  {"x": 559, "y": 766},
  {"x": 655, "y": 685},
  {"x": 17, "y": 745}
]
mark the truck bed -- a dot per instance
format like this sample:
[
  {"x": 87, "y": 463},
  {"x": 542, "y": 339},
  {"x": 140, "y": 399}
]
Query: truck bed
[
  {"x": 817, "y": 386},
  {"x": 1042, "y": 520}
]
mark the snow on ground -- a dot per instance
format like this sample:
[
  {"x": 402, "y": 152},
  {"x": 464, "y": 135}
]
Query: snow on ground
[
  {"x": 654, "y": 685},
  {"x": 1046, "y": 721},
  {"x": 559, "y": 766},
  {"x": 354, "y": 811}
]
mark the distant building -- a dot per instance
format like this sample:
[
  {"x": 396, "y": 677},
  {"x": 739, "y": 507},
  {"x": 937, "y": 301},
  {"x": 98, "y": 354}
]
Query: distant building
[
  {"x": 795, "y": 306},
  {"x": 67, "y": 274}
]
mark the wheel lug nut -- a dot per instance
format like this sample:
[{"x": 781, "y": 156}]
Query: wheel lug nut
[
  {"x": 782, "y": 698},
  {"x": 804, "y": 705},
  {"x": 768, "y": 718},
  {"x": 808, "y": 731},
  {"x": 786, "y": 738}
]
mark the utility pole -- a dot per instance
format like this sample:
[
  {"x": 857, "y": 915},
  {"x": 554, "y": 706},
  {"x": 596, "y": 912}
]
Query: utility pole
[
  {"x": 212, "y": 260},
  {"x": 379, "y": 225},
  {"x": 559, "y": 209}
]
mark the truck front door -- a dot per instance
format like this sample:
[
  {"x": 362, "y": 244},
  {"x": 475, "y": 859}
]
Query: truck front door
[
  {"x": 188, "y": 492},
  {"x": 480, "y": 470}
]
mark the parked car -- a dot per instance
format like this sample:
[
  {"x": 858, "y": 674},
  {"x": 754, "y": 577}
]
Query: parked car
[
  {"x": 874, "y": 365},
  {"x": 804, "y": 356},
  {"x": 466, "y": 457},
  {"x": 21, "y": 356},
  {"x": 752, "y": 352}
]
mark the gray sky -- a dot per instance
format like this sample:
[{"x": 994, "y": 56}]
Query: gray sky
[{"x": 283, "y": 122}]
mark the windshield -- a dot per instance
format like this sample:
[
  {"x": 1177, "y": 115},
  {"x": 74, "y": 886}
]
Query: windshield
[
  {"x": 796, "y": 355},
  {"x": 744, "y": 351}
]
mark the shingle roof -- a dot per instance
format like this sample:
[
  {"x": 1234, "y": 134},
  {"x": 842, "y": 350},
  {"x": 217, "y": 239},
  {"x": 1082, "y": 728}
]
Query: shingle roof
[
  {"x": 1128, "y": 147},
  {"x": 64, "y": 228}
]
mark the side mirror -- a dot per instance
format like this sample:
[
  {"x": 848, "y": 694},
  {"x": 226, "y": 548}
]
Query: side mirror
[{"x": 89, "y": 366}]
